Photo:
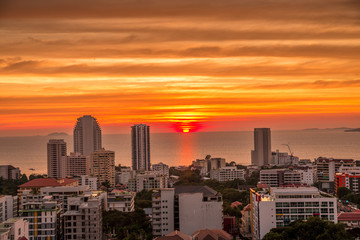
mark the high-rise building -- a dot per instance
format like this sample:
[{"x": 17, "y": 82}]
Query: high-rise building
[
  {"x": 140, "y": 146},
  {"x": 87, "y": 135},
  {"x": 75, "y": 165},
  {"x": 56, "y": 150},
  {"x": 103, "y": 166},
  {"x": 261, "y": 155},
  {"x": 9, "y": 172}
]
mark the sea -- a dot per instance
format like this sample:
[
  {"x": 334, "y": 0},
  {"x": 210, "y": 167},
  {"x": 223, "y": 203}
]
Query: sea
[{"x": 176, "y": 149}]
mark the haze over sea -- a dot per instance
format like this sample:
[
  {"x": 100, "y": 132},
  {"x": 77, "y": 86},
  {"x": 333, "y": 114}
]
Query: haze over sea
[{"x": 181, "y": 149}]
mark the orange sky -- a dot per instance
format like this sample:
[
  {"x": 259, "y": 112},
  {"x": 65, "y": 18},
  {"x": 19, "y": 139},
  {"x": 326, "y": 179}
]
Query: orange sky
[{"x": 209, "y": 65}]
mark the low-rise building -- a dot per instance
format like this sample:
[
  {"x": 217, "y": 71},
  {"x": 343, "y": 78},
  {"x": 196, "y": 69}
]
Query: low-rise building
[
  {"x": 85, "y": 180},
  {"x": 16, "y": 228},
  {"x": 35, "y": 184},
  {"x": 8, "y": 207},
  {"x": 161, "y": 168},
  {"x": 281, "y": 206},
  {"x": 208, "y": 164},
  {"x": 283, "y": 159},
  {"x": 121, "y": 200},
  {"x": 147, "y": 181},
  {"x": 284, "y": 177},
  {"x": 350, "y": 219},
  {"x": 124, "y": 175},
  {"x": 9, "y": 172},
  {"x": 229, "y": 173}
]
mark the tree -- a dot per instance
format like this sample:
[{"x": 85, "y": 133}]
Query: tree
[
  {"x": 143, "y": 199},
  {"x": 343, "y": 191},
  {"x": 313, "y": 228}
]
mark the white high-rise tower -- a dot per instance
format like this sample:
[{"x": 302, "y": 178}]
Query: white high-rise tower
[
  {"x": 140, "y": 146},
  {"x": 87, "y": 135},
  {"x": 261, "y": 155}
]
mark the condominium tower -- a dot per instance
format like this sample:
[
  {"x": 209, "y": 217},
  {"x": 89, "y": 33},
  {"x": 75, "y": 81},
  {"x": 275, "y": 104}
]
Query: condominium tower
[
  {"x": 56, "y": 150},
  {"x": 87, "y": 135},
  {"x": 140, "y": 147},
  {"x": 103, "y": 166},
  {"x": 261, "y": 155}
]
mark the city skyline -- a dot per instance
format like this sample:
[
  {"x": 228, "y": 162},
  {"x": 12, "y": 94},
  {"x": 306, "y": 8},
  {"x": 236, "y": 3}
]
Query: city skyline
[{"x": 232, "y": 65}]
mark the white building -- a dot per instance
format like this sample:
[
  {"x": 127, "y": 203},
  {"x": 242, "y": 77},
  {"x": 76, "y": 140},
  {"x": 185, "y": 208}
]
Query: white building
[
  {"x": 227, "y": 174},
  {"x": 16, "y": 228},
  {"x": 283, "y": 159},
  {"x": 87, "y": 135},
  {"x": 161, "y": 168},
  {"x": 8, "y": 207},
  {"x": 283, "y": 177},
  {"x": 124, "y": 176},
  {"x": 281, "y": 206},
  {"x": 121, "y": 200},
  {"x": 90, "y": 181},
  {"x": 261, "y": 155},
  {"x": 186, "y": 209},
  {"x": 140, "y": 147},
  {"x": 208, "y": 164},
  {"x": 9, "y": 172},
  {"x": 147, "y": 181}
]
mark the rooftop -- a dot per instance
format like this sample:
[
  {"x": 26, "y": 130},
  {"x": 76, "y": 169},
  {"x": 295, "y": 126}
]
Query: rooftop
[
  {"x": 349, "y": 216},
  {"x": 47, "y": 182},
  {"x": 205, "y": 190},
  {"x": 212, "y": 233}
]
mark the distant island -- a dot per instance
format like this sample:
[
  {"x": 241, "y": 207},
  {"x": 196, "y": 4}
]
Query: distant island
[
  {"x": 330, "y": 129},
  {"x": 58, "y": 134},
  {"x": 353, "y": 130}
]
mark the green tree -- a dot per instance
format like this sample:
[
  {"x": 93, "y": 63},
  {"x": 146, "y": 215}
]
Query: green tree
[{"x": 343, "y": 191}]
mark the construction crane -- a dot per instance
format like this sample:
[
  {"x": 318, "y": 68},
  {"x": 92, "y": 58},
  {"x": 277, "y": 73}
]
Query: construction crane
[{"x": 291, "y": 153}]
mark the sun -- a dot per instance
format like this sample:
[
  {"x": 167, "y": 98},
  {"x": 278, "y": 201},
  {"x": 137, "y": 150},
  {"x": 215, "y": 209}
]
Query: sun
[
  {"x": 186, "y": 130},
  {"x": 187, "y": 126}
]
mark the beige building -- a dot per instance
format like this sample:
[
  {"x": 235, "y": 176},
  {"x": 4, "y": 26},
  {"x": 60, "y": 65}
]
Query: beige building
[
  {"x": 121, "y": 200},
  {"x": 14, "y": 229},
  {"x": 75, "y": 165},
  {"x": 56, "y": 150},
  {"x": 8, "y": 207},
  {"x": 227, "y": 174},
  {"x": 147, "y": 181},
  {"x": 261, "y": 155},
  {"x": 103, "y": 166}
]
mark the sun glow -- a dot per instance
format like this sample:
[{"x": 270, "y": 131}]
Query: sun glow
[
  {"x": 187, "y": 126},
  {"x": 186, "y": 130}
]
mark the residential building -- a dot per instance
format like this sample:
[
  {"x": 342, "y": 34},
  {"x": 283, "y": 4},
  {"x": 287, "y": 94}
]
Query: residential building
[
  {"x": 75, "y": 165},
  {"x": 281, "y": 206},
  {"x": 17, "y": 228},
  {"x": 85, "y": 180},
  {"x": 213, "y": 234},
  {"x": 8, "y": 207},
  {"x": 124, "y": 176},
  {"x": 350, "y": 219},
  {"x": 9, "y": 172},
  {"x": 347, "y": 180},
  {"x": 261, "y": 155},
  {"x": 161, "y": 168},
  {"x": 281, "y": 177},
  {"x": 121, "y": 200},
  {"x": 103, "y": 166},
  {"x": 186, "y": 209},
  {"x": 87, "y": 135},
  {"x": 175, "y": 235},
  {"x": 83, "y": 220},
  {"x": 283, "y": 159},
  {"x": 227, "y": 174},
  {"x": 43, "y": 215},
  {"x": 245, "y": 227},
  {"x": 140, "y": 147},
  {"x": 35, "y": 184},
  {"x": 230, "y": 226},
  {"x": 147, "y": 181},
  {"x": 56, "y": 150},
  {"x": 208, "y": 164}
]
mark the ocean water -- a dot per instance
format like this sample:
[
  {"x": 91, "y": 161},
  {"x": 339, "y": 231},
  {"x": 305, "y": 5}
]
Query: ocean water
[{"x": 181, "y": 149}]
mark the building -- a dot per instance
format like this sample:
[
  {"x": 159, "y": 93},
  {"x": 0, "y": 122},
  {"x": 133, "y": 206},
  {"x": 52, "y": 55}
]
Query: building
[
  {"x": 261, "y": 155},
  {"x": 35, "y": 184},
  {"x": 124, "y": 176},
  {"x": 281, "y": 177},
  {"x": 85, "y": 180},
  {"x": 75, "y": 165},
  {"x": 103, "y": 166},
  {"x": 227, "y": 174},
  {"x": 175, "y": 235},
  {"x": 140, "y": 147},
  {"x": 43, "y": 215},
  {"x": 8, "y": 207},
  {"x": 214, "y": 234},
  {"x": 17, "y": 228},
  {"x": 121, "y": 200},
  {"x": 350, "y": 219},
  {"x": 87, "y": 135},
  {"x": 283, "y": 159},
  {"x": 326, "y": 169},
  {"x": 347, "y": 180},
  {"x": 147, "y": 181},
  {"x": 186, "y": 209},
  {"x": 8, "y": 172},
  {"x": 208, "y": 163},
  {"x": 83, "y": 220},
  {"x": 245, "y": 227},
  {"x": 230, "y": 226},
  {"x": 281, "y": 206},
  {"x": 56, "y": 150},
  {"x": 161, "y": 168}
]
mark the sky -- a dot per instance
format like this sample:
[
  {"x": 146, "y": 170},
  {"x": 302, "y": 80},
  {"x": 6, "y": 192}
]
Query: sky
[{"x": 179, "y": 65}]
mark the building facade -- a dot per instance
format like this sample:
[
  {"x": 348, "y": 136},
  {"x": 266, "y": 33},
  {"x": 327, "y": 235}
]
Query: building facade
[
  {"x": 8, "y": 207},
  {"x": 56, "y": 151},
  {"x": 103, "y": 166},
  {"x": 229, "y": 173},
  {"x": 161, "y": 168},
  {"x": 121, "y": 200},
  {"x": 9, "y": 172},
  {"x": 16, "y": 228},
  {"x": 140, "y": 147},
  {"x": 75, "y": 165},
  {"x": 87, "y": 135},
  {"x": 261, "y": 155},
  {"x": 281, "y": 206},
  {"x": 147, "y": 181}
]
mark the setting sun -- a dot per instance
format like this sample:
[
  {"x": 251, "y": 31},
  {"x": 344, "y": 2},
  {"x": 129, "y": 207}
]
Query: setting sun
[{"x": 186, "y": 130}]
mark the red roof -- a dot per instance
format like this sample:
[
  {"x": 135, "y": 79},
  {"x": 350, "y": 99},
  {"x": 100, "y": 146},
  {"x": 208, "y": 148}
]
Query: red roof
[
  {"x": 214, "y": 233},
  {"x": 236, "y": 204},
  {"x": 47, "y": 182},
  {"x": 349, "y": 216}
]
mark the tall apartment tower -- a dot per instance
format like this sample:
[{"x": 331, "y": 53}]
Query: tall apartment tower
[
  {"x": 87, "y": 135},
  {"x": 56, "y": 150},
  {"x": 103, "y": 166},
  {"x": 75, "y": 165},
  {"x": 140, "y": 147},
  {"x": 261, "y": 155}
]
